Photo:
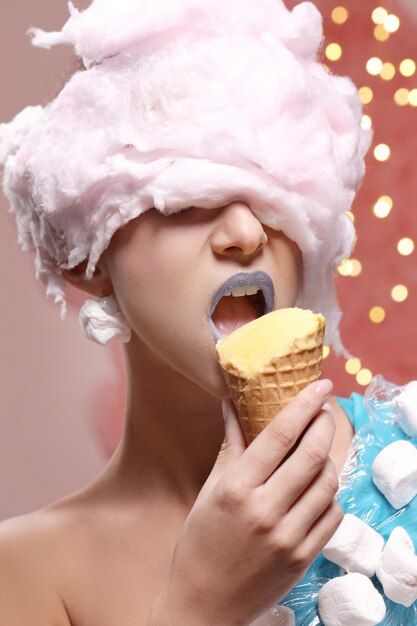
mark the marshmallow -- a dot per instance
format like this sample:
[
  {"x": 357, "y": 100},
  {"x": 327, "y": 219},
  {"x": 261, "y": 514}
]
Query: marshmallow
[
  {"x": 350, "y": 600},
  {"x": 278, "y": 616},
  {"x": 394, "y": 472},
  {"x": 397, "y": 568},
  {"x": 407, "y": 403},
  {"x": 355, "y": 546}
]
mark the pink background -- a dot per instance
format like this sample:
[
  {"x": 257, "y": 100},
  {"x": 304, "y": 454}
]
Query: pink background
[
  {"x": 61, "y": 396},
  {"x": 48, "y": 371}
]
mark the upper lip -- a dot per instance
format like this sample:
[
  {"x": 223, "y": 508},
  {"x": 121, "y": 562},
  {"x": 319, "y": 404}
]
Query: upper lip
[{"x": 258, "y": 279}]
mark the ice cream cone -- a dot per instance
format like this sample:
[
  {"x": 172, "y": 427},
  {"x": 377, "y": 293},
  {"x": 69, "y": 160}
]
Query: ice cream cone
[{"x": 259, "y": 397}]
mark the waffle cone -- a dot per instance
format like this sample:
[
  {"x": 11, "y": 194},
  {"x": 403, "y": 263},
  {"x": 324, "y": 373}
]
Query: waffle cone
[{"x": 257, "y": 400}]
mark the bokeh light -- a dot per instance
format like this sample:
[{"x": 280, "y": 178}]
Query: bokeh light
[
  {"x": 364, "y": 377},
  {"x": 399, "y": 293},
  {"x": 379, "y": 15},
  {"x": 382, "y": 152},
  {"x": 374, "y": 66},
  {"x": 401, "y": 96},
  {"x": 391, "y": 23},
  {"x": 405, "y": 246},
  {"x": 380, "y": 33},
  {"x": 383, "y": 206},
  {"x": 366, "y": 122},
  {"x": 412, "y": 97},
  {"x": 356, "y": 267},
  {"x": 377, "y": 314},
  {"x": 387, "y": 71},
  {"x": 345, "y": 268},
  {"x": 350, "y": 267},
  {"x": 340, "y": 15},
  {"x": 333, "y": 51},
  {"x": 365, "y": 94},
  {"x": 407, "y": 67},
  {"x": 353, "y": 366}
]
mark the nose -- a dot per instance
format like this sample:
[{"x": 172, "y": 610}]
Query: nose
[{"x": 238, "y": 233}]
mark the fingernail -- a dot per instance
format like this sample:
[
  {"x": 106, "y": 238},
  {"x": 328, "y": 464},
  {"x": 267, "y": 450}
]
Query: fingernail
[
  {"x": 327, "y": 407},
  {"x": 324, "y": 387}
]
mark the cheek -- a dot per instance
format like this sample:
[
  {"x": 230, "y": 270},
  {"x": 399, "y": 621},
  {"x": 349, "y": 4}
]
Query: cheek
[
  {"x": 148, "y": 280},
  {"x": 138, "y": 283},
  {"x": 289, "y": 265}
]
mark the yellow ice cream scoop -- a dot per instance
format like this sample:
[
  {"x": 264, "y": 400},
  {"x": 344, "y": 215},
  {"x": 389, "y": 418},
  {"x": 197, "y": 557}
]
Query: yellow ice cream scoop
[{"x": 268, "y": 361}]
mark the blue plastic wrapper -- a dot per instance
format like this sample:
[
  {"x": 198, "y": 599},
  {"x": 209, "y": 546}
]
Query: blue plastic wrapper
[{"x": 378, "y": 415}]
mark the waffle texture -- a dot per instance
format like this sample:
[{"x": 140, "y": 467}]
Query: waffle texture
[{"x": 257, "y": 400}]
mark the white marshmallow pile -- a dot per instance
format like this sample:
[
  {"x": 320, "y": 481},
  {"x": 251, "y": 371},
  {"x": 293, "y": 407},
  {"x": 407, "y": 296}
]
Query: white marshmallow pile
[
  {"x": 397, "y": 568},
  {"x": 355, "y": 546},
  {"x": 358, "y": 548},
  {"x": 394, "y": 472},
  {"x": 407, "y": 403},
  {"x": 350, "y": 600}
]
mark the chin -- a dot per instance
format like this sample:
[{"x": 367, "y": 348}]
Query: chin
[
  {"x": 218, "y": 389},
  {"x": 212, "y": 381}
]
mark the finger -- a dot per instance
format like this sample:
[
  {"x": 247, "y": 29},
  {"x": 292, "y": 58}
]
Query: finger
[
  {"x": 292, "y": 478},
  {"x": 322, "y": 531},
  {"x": 267, "y": 451},
  {"x": 314, "y": 501}
]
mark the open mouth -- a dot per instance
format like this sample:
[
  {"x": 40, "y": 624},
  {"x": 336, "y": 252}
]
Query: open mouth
[
  {"x": 242, "y": 298},
  {"x": 234, "y": 311}
]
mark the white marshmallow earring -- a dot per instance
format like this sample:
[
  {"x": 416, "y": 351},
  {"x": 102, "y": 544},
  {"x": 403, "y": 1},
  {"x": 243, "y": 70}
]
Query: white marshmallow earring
[{"x": 102, "y": 320}]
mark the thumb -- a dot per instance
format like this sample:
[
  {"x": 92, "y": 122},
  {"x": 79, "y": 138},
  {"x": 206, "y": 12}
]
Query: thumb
[
  {"x": 234, "y": 439},
  {"x": 232, "y": 448}
]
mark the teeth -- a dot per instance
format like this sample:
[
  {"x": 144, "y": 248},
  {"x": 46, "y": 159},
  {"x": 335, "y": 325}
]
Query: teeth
[{"x": 244, "y": 291}]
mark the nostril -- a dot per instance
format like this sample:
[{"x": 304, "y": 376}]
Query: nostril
[
  {"x": 244, "y": 249},
  {"x": 234, "y": 249}
]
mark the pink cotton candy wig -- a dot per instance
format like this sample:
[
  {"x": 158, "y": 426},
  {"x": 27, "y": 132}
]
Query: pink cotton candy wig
[{"x": 189, "y": 103}]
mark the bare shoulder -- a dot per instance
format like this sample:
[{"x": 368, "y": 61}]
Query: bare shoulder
[
  {"x": 82, "y": 559},
  {"x": 30, "y": 547}
]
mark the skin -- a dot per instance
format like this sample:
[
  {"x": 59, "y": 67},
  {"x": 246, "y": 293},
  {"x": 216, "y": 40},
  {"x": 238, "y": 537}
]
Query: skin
[{"x": 129, "y": 548}]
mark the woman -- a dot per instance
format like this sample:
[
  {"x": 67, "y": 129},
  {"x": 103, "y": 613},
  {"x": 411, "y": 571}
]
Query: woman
[{"x": 200, "y": 145}]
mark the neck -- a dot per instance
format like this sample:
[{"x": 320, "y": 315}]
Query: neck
[{"x": 172, "y": 435}]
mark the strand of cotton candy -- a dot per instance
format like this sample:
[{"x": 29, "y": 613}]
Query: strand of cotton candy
[
  {"x": 350, "y": 600},
  {"x": 397, "y": 568},
  {"x": 184, "y": 104}
]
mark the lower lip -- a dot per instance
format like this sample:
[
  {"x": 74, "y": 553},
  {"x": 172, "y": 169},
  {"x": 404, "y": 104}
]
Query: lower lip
[{"x": 215, "y": 332}]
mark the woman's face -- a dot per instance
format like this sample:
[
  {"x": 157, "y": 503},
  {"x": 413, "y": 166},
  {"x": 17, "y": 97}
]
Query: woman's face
[{"x": 167, "y": 270}]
